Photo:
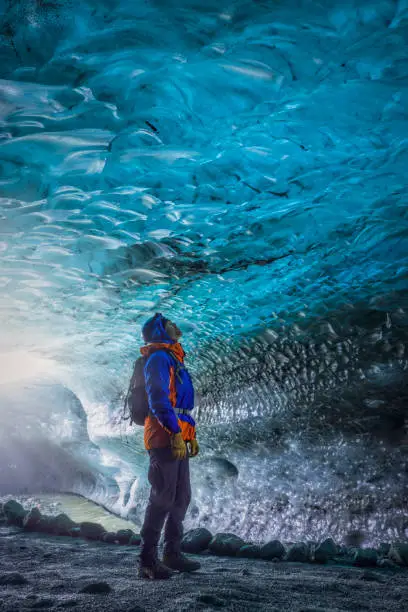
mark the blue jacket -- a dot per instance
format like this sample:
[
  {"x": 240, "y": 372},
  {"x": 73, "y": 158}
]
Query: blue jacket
[{"x": 168, "y": 383}]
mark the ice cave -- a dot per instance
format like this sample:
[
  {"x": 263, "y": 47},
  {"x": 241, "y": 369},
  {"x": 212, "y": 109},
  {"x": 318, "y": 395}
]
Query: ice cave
[{"x": 241, "y": 167}]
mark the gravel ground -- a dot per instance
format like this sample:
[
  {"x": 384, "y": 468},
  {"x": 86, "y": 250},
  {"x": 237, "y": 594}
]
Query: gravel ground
[{"x": 39, "y": 572}]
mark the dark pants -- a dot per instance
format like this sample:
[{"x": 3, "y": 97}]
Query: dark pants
[{"x": 170, "y": 496}]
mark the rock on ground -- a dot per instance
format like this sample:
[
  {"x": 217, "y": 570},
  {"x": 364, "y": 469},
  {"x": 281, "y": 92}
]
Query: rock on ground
[
  {"x": 250, "y": 551},
  {"x": 365, "y": 557},
  {"x": 325, "y": 551},
  {"x": 62, "y": 524},
  {"x": 398, "y": 552},
  {"x": 31, "y": 519},
  {"x": 14, "y": 512},
  {"x": 298, "y": 552},
  {"x": 196, "y": 540},
  {"x": 13, "y": 578},
  {"x": 226, "y": 544},
  {"x": 91, "y": 531},
  {"x": 124, "y": 536},
  {"x": 273, "y": 550}
]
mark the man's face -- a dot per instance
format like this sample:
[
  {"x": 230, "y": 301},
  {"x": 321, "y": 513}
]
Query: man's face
[{"x": 172, "y": 330}]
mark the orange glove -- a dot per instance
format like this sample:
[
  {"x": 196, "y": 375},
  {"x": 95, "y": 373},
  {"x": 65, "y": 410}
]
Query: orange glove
[
  {"x": 178, "y": 446},
  {"x": 194, "y": 448}
]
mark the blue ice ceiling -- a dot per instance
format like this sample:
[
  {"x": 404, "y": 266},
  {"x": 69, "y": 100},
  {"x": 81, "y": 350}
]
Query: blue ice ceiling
[{"x": 239, "y": 166}]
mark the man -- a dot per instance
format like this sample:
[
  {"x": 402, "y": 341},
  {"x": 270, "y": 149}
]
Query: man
[{"x": 170, "y": 438}]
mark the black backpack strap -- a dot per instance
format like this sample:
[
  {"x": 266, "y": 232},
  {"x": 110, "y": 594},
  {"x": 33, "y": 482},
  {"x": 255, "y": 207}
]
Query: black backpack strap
[{"x": 178, "y": 368}]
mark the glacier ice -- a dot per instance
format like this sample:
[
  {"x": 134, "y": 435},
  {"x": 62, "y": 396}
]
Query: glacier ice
[
  {"x": 45, "y": 445},
  {"x": 240, "y": 166}
]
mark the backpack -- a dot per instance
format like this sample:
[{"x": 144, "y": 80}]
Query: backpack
[{"x": 136, "y": 407}]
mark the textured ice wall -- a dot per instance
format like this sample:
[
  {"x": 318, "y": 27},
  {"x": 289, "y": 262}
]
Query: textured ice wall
[
  {"x": 314, "y": 424},
  {"x": 44, "y": 443},
  {"x": 240, "y": 166}
]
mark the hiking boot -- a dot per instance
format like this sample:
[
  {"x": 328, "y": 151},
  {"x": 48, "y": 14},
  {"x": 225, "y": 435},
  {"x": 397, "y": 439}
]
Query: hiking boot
[
  {"x": 154, "y": 570},
  {"x": 180, "y": 563}
]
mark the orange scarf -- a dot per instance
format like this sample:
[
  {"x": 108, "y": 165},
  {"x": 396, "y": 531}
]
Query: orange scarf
[{"x": 175, "y": 348}]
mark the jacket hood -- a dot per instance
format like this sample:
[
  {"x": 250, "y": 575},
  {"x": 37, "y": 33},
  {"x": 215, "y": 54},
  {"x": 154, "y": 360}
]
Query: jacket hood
[
  {"x": 153, "y": 330},
  {"x": 176, "y": 349}
]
